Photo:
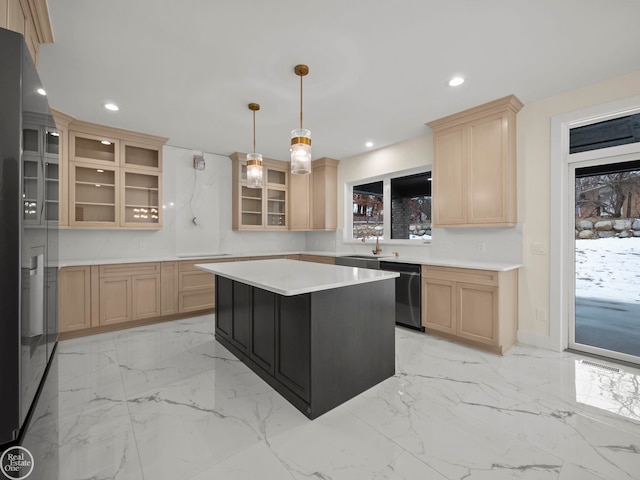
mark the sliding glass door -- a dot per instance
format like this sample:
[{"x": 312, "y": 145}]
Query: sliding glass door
[{"x": 605, "y": 308}]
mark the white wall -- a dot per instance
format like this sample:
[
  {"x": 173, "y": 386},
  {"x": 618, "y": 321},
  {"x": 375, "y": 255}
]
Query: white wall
[{"x": 187, "y": 193}]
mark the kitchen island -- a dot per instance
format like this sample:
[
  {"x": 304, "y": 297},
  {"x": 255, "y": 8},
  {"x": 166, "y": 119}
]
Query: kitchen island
[{"x": 318, "y": 334}]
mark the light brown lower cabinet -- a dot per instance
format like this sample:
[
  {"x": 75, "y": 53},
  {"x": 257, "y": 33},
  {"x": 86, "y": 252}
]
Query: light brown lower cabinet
[
  {"x": 476, "y": 307},
  {"x": 111, "y": 296},
  {"x": 129, "y": 292},
  {"x": 196, "y": 287},
  {"x": 317, "y": 259},
  {"x": 169, "y": 278},
  {"x": 75, "y": 298}
]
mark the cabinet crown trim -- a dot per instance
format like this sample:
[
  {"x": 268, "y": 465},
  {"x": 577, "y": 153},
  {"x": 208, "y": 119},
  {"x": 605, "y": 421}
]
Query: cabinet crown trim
[
  {"x": 81, "y": 126},
  {"x": 62, "y": 119},
  {"x": 508, "y": 103},
  {"x": 41, "y": 20},
  {"x": 325, "y": 162}
]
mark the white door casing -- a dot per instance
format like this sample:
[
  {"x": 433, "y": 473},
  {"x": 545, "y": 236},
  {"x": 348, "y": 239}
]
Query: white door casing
[{"x": 562, "y": 206}]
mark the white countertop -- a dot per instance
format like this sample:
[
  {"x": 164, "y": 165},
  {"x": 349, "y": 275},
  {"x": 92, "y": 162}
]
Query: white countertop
[
  {"x": 454, "y": 262},
  {"x": 292, "y": 277},
  {"x": 415, "y": 259}
]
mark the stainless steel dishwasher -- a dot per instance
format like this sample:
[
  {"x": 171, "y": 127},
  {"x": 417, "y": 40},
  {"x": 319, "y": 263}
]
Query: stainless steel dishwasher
[{"x": 408, "y": 293}]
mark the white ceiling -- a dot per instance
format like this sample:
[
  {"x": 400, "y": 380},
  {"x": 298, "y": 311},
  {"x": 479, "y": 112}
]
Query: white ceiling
[{"x": 378, "y": 68}]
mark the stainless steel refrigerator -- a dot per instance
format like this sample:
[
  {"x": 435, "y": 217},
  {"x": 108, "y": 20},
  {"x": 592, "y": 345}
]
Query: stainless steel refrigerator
[{"x": 28, "y": 237}]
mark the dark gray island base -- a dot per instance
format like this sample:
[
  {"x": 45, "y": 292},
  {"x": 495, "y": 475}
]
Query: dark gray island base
[{"x": 316, "y": 349}]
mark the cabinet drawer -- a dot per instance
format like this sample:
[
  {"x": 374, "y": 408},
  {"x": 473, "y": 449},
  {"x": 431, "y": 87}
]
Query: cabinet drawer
[
  {"x": 118, "y": 270},
  {"x": 195, "y": 280},
  {"x": 467, "y": 275},
  {"x": 195, "y": 301},
  {"x": 188, "y": 265}
]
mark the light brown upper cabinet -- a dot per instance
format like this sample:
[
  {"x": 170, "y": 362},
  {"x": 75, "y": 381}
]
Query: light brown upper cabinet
[
  {"x": 115, "y": 178},
  {"x": 474, "y": 168},
  {"x": 31, "y": 19},
  {"x": 40, "y": 170},
  {"x": 260, "y": 208},
  {"x": 62, "y": 124},
  {"x": 314, "y": 198}
]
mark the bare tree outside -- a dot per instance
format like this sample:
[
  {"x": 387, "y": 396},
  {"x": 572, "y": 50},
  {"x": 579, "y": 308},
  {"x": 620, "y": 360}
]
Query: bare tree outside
[{"x": 615, "y": 195}]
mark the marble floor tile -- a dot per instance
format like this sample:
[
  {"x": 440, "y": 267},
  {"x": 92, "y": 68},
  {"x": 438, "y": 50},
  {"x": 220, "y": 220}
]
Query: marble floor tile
[
  {"x": 99, "y": 443},
  {"x": 185, "y": 426},
  {"x": 336, "y": 445},
  {"x": 167, "y": 401},
  {"x": 90, "y": 377},
  {"x": 408, "y": 467},
  {"x": 254, "y": 462}
]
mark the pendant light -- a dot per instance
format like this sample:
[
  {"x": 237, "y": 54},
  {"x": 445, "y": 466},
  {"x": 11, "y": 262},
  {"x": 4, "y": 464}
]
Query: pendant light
[
  {"x": 301, "y": 137},
  {"x": 254, "y": 160}
]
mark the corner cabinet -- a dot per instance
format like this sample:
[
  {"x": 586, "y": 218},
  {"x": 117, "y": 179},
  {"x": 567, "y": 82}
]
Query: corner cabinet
[
  {"x": 115, "y": 178},
  {"x": 474, "y": 168},
  {"x": 476, "y": 307},
  {"x": 260, "y": 208}
]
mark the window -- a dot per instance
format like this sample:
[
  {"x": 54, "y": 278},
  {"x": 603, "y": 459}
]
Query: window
[
  {"x": 609, "y": 133},
  {"x": 411, "y": 207},
  {"x": 368, "y": 212},
  {"x": 406, "y": 197}
]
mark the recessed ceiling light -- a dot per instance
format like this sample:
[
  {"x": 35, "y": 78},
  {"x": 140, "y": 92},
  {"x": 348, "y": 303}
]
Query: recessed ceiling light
[
  {"x": 105, "y": 142},
  {"x": 456, "y": 81},
  {"x": 111, "y": 106},
  {"x": 41, "y": 91},
  {"x": 368, "y": 144}
]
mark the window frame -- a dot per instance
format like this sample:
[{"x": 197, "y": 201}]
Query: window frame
[{"x": 347, "y": 233}]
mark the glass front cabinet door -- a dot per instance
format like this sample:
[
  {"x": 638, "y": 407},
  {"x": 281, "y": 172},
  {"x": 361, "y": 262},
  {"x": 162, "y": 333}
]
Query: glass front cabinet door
[
  {"x": 40, "y": 172},
  {"x": 260, "y": 208},
  {"x": 93, "y": 196},
  {"x": 140, "y": 205},
  {"x": 115, "y": 178}
]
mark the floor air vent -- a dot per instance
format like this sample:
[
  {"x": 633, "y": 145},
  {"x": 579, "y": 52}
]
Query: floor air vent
[{"x": 600, "y": 365}]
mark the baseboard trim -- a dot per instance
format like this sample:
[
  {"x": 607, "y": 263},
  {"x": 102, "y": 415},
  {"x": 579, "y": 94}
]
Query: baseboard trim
[
  {"x": 132, "y": 324},
  {"x": 535, "y": 340}
]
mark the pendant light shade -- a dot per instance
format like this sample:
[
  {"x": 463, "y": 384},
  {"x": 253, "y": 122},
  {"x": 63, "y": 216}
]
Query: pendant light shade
[
  {"x": 254, "y": 160},
  {"x": 301, "y": 137}
]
